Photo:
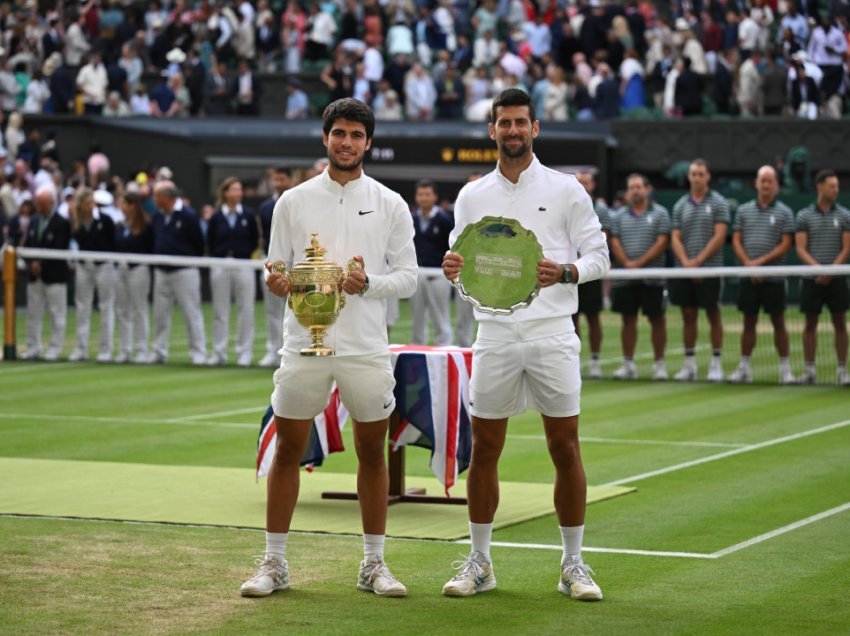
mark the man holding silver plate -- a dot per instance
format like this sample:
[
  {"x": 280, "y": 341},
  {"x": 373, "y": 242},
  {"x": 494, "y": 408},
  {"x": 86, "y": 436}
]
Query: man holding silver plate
[
  {"x": 514, "y": 256},
  {"x": 335, "y": 330}
]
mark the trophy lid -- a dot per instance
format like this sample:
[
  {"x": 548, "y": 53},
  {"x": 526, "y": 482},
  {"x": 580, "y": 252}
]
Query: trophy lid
[{"x": 316, "y": 257}]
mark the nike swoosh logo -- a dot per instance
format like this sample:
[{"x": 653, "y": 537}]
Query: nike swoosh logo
[
  {"x": 541, "y": 209},
  {"x": 364, "y": 212},
  {"x": 387, "y": 405}
]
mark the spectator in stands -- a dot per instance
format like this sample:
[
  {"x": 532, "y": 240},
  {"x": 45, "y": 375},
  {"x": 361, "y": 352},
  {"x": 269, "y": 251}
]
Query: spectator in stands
[
  {"x": 399, "y": 39},
  {"x": 762, "y": 14},
  {"x": 274, "y": 305},
  {"x": 823, "y": 238},
  {"x": 712, "y": 40},
  {"x": 748, "y": 35},
  {"x": 37, "y": 94},
  {"x": 826, "y": 48},
  {"x": 433, "y": 292},
  {"x": 134, "y": 236},
  {"x": 176, "y": 232},
  {"x": 606, "y": 101},
  {"x": 48, "y": 278},
  {"x": 132, "y": 65},
  {"x": 590, "y": 294},
  {"x": 700, "y": 223},
  {"x": 420, "y": 94},
  {"x": 15, "y": 230},
  {"x": 115, "y": 106},
  {"x": 749, "y": 84},
  {"x": 761, "y": 235},
  {"x": 321, "y": 28},
  {"x": 688, "y": 91},
  {"x": 297, "y": 104},
  {"x": 631, "y": 82},
  {"x": 804, "y": 93},
  {"x": 338, "y": 75},
  {"x": 640, "y": 234},
  {"x": 93, "y": 232},
  {"x": 386, "y": 105},
  {"x": 92, "y": 83},
  {"x": 796, "y": 24},
  {"x": 233, "y": 233},
  {"x": 217, "y": 90},
  {"x": 690, "y": 47},
  {"x": 140, "y": 103},
  {"x": 451, "y": 95},
  {"x": 724, "y": 81},
  {"x": 773, "y": 87},
  {"x": 77, "y": 44},
  {"x": 246, "y": 90}
]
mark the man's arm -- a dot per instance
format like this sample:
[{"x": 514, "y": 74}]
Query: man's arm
[
  {"x": 586, "y": 234},
  {"x": 679, "y": 248},
  {"x": 654, "y": 251},
  {"x": 738, "y": 248},
  {"x": 777, "y": 252},
  {"x": 802, "y": 243},
  {"x": 401, "y": 280},
  {"x": 716, "y": 243}
]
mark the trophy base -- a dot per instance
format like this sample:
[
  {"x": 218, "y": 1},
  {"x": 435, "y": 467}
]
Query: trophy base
[{"x": 317, "y": 351}]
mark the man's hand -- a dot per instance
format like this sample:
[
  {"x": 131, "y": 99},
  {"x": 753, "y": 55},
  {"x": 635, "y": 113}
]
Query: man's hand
[
  {"x": 35, "y": 269},
  {"x": 277, "y": 283},
  {"x": 549, "y": 272},
  {"x": 452, "y": 264},
  {"x": 823, "y": 280},
  {"x": 356, "y": 279}
]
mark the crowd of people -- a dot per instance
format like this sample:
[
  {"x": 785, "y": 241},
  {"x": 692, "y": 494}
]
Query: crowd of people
[{"x": 424, "y": 59}]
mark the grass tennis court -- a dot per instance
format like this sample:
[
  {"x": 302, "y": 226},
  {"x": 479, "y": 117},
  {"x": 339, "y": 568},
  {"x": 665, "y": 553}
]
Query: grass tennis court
[{"x": 738, "y": 524}]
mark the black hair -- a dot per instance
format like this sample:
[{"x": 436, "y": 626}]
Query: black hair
[
  {"x": 512, "y": 97},
  {"x": 352, "y": 110},
  {"x": 823, "y": 175},
  {"x": 427, "y": 183}
]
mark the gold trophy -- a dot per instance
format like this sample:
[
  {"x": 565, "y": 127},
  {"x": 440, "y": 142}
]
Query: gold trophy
[{"x": 315, "y": 293}]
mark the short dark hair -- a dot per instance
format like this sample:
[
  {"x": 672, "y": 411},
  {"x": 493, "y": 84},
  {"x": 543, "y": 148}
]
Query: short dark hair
[
  {"x": 283, "y": 170},
  {"x": 512, "y": 97},
  {"x": 700, "y": 162},
  {"x": 823, "y": 175},
  {"x": 638, "y": 175},
  {"x": 352, "y": 110},
  {"x": 427, "y": 183}
]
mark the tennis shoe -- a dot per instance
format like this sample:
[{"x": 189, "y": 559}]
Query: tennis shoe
[
  {"x": 475, "y": 574},
  {"x": 272, "y": 574},
  {"x": 376, "y": 577},
  {"x": 687, "y": 373},
  {"x": 842, "y": 377},
  {"x": 594, "y": 370},
  {"x": 659, "y": 371},
  {"x": 741, "y": 375},
  {"x": 270, "y": 360},
  {"x": 77, "y": 355},
  {"x": 786, "y": 377},
  {"x": 807, "y": 377},
  {"x": 576, "y": 582},
  {"x": 715, "y": 371},
  {"x": 625, "y": 372}
]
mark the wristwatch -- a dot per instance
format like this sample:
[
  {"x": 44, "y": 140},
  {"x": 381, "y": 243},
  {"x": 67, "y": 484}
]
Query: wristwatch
[
  {"x": 567, "y": 276},
  {"x": 365, "y": 288}
]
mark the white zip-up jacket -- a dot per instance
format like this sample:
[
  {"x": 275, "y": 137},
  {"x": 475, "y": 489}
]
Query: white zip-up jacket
[
  {"x": 557, "y": 209},
  {"x": 361, "y": 218}
]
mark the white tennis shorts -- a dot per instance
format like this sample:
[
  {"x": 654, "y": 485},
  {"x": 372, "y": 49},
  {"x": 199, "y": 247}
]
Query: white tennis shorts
[
  {"x": 302, "y": 386},
  {"x": 510, "y": 376}
]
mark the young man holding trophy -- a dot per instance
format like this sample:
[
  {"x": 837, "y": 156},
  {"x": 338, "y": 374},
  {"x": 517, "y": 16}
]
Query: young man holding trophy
[
  {"x": 335, "y": 330},
  {"x": 526, "y": 353}
]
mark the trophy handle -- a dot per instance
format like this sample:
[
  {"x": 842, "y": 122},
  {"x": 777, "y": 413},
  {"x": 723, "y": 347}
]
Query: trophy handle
[{"x": 354, "y": 266}]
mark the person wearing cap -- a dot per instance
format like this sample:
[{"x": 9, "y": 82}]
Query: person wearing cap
[
  {"x": 232, "y": 232},
  {"x": 281, "y": 182},
  {"x": 47, "y": 285},
  {"x": 93, "y": 232},
  {"x": 176, "y": 232}
]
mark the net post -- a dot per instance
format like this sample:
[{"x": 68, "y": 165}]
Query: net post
[{"x": 10, "y": 271}]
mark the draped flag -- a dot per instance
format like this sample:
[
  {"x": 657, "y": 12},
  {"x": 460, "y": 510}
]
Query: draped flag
[
  {"x": 325, "y": 437},
  {"x": 432, "y": 402}
]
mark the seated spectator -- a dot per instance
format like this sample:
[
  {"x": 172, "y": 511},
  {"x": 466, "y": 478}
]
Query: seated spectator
[
  {"x": 805, "y": 96},
  {"x": 115, "y": 106},
  {"x": 386, "y": 105},
  {"x": 140, "y": 103}
]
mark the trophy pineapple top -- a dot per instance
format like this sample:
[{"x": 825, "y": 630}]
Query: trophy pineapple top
[{"x": 315, "y": 252}]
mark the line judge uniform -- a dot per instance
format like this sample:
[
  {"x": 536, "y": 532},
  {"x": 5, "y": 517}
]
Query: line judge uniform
[
  {"x": 131, "y": 298},
  {"x": 274, "y": 305},
  {"x": 433, "y": 292}
]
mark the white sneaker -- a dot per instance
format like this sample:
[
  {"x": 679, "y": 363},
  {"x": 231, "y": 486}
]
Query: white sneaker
[
  {"x": 104, "y": 357},
  {"x": 121, "y": 358},
  {"x": 28, "y": 355},
  {"x": 741, "y": 375},
  {"x": 687, "y": 373},
  {"x": 576, "y": 582},
  {"x": 594, "y": 370},
  {"x": 243, "y": 362},
  {"x": 475, "y": 575},
  {"x": 77, "y": 355},
  {"x": 715, "y": 371},
  {"x": 214, "y": 360},
  {"x": 807, "y": 377},
  {"x": 842, "y": 377},
  {"x": 376, "y": 577},
  {"x": 659, "y": 371},
  {"x": 786, "y": 377},
  {"x": 273, "y": 574},
  {"x": 270, "y": 360},
  {"x": 52, "y": 355},
  {"x": 625, "y": 372}
]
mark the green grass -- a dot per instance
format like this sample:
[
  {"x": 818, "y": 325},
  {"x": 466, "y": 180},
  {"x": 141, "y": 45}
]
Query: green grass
[{"x": 77, "y": 576}]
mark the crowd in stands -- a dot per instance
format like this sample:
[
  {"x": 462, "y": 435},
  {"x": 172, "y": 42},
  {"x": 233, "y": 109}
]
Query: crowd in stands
[{"x": 420, "y": 60}]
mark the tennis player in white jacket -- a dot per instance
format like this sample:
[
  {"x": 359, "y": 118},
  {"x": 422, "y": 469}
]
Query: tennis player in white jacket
[
  {"x": 355, "y": 217},
  {"x": 529, "y": 359}
]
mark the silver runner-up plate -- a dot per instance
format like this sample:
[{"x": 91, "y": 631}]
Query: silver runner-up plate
[{"x": 499, "y": 273}]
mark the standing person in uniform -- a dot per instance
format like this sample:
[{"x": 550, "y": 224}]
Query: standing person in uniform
[
  {"x": 530, "y": 357},
  {"x": 823, "y": 238},
  {"x": 700, "y": 223},
  {"x": 640, "y": 233},
  {"x": 354, "y": 216},
  {"x": 433, "y": 292},
  {"x": 134, "y": 236},
  {"x": 48, "y": 278},
  {"x": 762, "y": 235},
  {"x": 176, "y": 232},
  {"x": 281, "y": 182},
  {"x": 590, "y": 297},
  {"x": 232, "y": 233},
  {"x": 94, "y": 231}
]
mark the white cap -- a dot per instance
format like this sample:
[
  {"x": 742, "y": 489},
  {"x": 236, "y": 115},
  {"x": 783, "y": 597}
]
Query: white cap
[
  {"x": 103, "y": 197},
  {"x": 176, "y": 56},
  {"x": 682, "y": 24}
]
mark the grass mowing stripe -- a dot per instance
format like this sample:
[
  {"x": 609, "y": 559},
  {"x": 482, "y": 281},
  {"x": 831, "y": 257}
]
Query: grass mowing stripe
[
  {"x": 731, "y": 453},
  {"x": 780, "y": 531},
  {"x": 651, "y": 442},
  {"x": 544, "y": 546},
  {"x": 201, "y": 416},
  {"x": 120, "y": 420}
]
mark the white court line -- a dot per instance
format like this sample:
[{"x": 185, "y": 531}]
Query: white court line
[
  {"x": 779, "y": 531},
  {"x": 730, "y": 453},
  {"x": 120, "y": 420},
  {"x": 648, "y": 442},
  {"x": 204, "y": 416},
  {"x": 543, "y": 546}
]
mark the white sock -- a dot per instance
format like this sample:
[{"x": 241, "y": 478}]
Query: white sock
[
  {"x": 480, "y": 534},
  {"x": 276, "y": 543},
  {"x": 745, "y": 362},
  {"x": 571, "y": 537},
  {"x": 690, "y": 361},
  {"x": 373, "y": 545},
  {"x": 784, "y": 363}
]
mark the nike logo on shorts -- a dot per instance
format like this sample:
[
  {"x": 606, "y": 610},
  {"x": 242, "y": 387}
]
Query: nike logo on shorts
[{"x": 364, "y": 212}]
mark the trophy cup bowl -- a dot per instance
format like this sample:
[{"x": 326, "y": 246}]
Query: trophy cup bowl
[{"x": 315, "y": 294}]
